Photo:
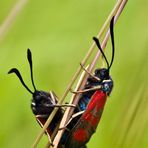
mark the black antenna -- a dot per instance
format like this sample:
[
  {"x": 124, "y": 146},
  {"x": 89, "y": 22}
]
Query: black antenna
[
  {"x": 112, "y": 40},
  {"x": 14, "y": 70},
  {"x": 29, "y": 57},
  {"x": 113, "y": 44},
  {"x": 99, "y": 46}
]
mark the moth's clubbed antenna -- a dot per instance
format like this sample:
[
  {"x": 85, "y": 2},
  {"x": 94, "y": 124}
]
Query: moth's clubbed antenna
[
  {"x": 112, "y": 40},
  {"x": 14, "y": 70},
  {"x": 113, "y": 44},
  {"x": 29, "y": 57},
  {"x": 99, "y": 46}
]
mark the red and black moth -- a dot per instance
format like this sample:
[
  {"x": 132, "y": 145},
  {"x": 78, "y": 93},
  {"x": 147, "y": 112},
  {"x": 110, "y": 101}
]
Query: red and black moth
[
  {"x": 100, "y": 86},
  {"x": 42, "y": 103}
]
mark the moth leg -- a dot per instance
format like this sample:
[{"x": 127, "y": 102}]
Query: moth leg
[
  {"x": 55, "y": 99},
  {"x": 73, "y": 116},
  {"x": 89, "y": 72},
  {"x": 42, "y": 116},
  {"x": 86, "y": 90},
  {"x": 40, "y": 119},
  {"x": 58, "y": 105}
]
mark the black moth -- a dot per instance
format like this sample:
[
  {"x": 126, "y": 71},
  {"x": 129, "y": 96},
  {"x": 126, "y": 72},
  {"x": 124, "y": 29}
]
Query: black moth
[{"x": 42, "y": 103}]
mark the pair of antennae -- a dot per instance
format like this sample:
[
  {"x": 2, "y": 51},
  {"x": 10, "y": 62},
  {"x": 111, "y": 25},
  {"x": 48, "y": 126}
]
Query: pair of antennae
[
  {"x": 14, "y": 70},
  {"x": 113, "y": 45},
  {"x": 29, "y": 57}
]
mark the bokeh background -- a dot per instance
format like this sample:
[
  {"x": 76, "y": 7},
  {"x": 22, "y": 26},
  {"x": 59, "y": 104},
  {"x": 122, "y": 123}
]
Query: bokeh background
[{"x": 59, "y": 34}]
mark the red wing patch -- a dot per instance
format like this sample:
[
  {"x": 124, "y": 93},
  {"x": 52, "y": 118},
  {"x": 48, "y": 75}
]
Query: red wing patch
[{"x": 80, "y": 135}]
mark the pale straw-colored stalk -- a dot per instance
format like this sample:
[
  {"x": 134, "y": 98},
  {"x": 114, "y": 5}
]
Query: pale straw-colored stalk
[{"x": 9, "y": 20}]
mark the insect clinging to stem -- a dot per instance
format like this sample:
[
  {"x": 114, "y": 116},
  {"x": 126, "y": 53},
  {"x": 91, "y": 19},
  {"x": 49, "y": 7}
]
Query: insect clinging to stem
[
  {"x": 92, "y": 100},
  {"x": 42, "y": 103}
]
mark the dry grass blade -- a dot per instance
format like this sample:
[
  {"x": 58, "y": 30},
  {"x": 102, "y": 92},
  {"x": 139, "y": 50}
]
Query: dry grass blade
[{"x": 11, "y": 17}]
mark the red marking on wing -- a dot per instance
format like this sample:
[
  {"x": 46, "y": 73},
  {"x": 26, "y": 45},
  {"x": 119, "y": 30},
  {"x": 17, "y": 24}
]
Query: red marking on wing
[
  {"x": 89, "y": 121},
  {"x": 94, "y": 109},
  {"x": 95, "y": 121},
  {"x": 88, "y": 117},
  {"x": 80, "y": 135},
  {"x": 92, "y": 119}
]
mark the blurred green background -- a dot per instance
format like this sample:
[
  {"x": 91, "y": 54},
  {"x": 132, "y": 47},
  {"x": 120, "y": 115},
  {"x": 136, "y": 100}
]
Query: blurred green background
[{"x": 59, "y": 33}]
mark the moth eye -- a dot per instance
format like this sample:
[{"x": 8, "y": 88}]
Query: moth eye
[{"x": 106, "y": 87}]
